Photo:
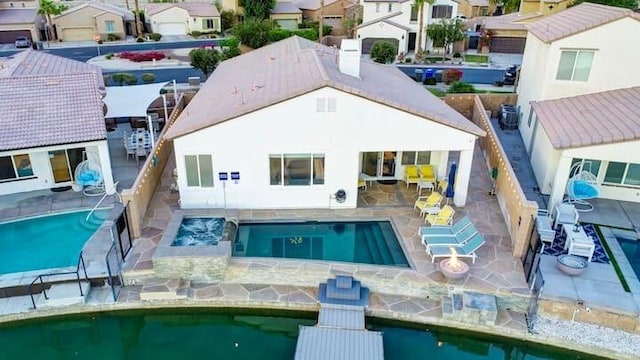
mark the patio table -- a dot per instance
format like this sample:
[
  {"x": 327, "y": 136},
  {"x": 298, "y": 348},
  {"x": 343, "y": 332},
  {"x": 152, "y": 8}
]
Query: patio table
[{"x": 578, "y": 242}]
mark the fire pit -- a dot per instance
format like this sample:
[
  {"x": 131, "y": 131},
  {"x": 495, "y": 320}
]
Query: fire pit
[{"x": 453, "y": 268}]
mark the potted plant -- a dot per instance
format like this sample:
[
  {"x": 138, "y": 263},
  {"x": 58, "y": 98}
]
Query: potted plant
[{"x": 484, "y": 43}]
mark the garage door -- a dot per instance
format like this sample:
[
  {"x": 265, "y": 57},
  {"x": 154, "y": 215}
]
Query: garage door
[
  {"x": 508, "y": 45},
  {"x": 172, "y": 29},
  {"x": 288, "y": 24},
  {"x": 77, "y": 34},
  {"x": 9, "y": 37},
  {"x": 367, "y": 43}
]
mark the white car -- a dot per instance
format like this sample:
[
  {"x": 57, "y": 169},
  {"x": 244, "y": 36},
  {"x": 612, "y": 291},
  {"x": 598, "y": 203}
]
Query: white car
[{"x": 23, "y": 42}]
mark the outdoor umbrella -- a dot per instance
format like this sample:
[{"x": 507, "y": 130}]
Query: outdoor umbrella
[{"x": 452, "y": 180}]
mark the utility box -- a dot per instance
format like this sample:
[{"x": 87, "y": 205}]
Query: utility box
[{"x": 194, "y": 80}]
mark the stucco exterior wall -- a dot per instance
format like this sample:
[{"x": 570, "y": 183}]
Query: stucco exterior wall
[
  {"x": 544, "y": 159},
  {"x": 117, "y": 21},
  {"x": 244, "y": 144},
  {"x": 385, "y": 30},
  {"x": 80, "y": 18}
]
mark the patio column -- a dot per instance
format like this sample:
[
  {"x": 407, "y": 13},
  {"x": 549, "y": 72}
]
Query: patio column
[
  {"x": 105, "y": 163},
  {"x": 559, "y": 182},
  {"x": 442, "y": 165},
  {"x": 461, "y": 187}
]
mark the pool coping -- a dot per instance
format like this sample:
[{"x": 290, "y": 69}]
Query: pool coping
[{"x": 610, "y": 236}]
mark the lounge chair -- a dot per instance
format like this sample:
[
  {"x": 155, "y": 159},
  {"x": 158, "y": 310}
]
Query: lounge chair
[
  {"x": 430, "y": 201},
  {"x": 443, "y": 218},
  {"x": 411, "y": 175},
  {"x": 455, "y": 240},
  {"x": 445, "y": 230},
  {"x": 565, "y": 214},
  {"x": 428, "y": 173},
  {"x": 468, "y": 249}
]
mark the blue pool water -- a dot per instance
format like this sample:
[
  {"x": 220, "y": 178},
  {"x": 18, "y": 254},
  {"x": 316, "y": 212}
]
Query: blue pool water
[
  {"x": 631, "y": 248},
  {"x": 46, "y": 242},
  {"x": 368, "y": 242},
  {"x": 199, "y": 231}
]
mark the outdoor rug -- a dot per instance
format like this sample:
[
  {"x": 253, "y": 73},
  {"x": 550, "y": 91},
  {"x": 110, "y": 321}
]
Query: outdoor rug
[{"x": 557, "y": 248}]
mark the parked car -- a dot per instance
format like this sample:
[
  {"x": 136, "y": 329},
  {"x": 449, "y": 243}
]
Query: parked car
[
  {"x": 23, "y": 42},
  {"x": 510, "y": 75}
]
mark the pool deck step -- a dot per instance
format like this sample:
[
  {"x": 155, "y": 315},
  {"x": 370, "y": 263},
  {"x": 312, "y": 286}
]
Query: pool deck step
[
  {"x": 64, "y": 294},
  {"x": 165, "y": 289}
]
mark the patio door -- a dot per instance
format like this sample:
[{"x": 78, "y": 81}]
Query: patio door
[
  {"x": 379, "y": 164},
  {"x": 64, "y": 162}
]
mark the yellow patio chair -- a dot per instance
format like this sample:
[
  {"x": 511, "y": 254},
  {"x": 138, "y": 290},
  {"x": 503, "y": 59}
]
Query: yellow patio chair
[
  {"x": 411, "y": 175},
  {"x": 423, "y": 203},
  {"x": 362, "y": 183},
  {"x": 443, "y": 218},
  {"x": 442, "y": 185},
  {"x": 427, "y": 173}
]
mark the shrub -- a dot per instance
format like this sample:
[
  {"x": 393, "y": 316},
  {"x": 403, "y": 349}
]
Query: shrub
[
  {"x": 109, "y": 56},
  {"x": 141, "y": 56},
  {"x": 196, "y": 33},
  {"x": 155, "y": 36},
  {"x": 430, "y": 81},
  {"x": 450, "y": 76},
  {"x": 383, "y": 52},
  {"x": 499, "y": 83},
  {"x": 130, "y": 79},
  {"x": 113, "y": 37},
  {"x": 253, "y": 33},
  {"x": 457, "y": 55},
  {"x": 118, "y": 78},
  {"x": 278, "y": 34},
  {"x": 229, "y": 48},
  {"x": 148, "y": 78},
  {"x": 461, "y": 87},
  {"x": 140, "y": 39},
  {"x": 100, "y": 41},
  {"x": 408, "y": 60},
  {"x": 310, "y": 34}
]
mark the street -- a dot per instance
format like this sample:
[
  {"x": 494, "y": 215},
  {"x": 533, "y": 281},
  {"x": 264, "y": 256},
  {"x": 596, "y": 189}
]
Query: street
[{"x": 469, "y": 75}]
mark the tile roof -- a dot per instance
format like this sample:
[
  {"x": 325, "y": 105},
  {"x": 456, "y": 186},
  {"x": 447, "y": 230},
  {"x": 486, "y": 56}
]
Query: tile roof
[
  {"x": 576, "y": 19},
  {"x": 592, "y": 119},
  {"x": 384, "y": 19},
  {"x": 296, "y": 66},
  {"x": 48, "y": 102},
  {"x": 126, "y": 14},
  {"x": 478, "y": 2},
  {"x": 285, "y": 7},
  {"x": 311, "y": 4},
  {"x": 18, "y": 16},
  {"x": 193, "y": 8},
  {"x": 513, "y": 21}
]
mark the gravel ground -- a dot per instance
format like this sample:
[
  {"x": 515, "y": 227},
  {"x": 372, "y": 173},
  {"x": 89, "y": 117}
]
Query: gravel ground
[{"x": 589, "y": 334}]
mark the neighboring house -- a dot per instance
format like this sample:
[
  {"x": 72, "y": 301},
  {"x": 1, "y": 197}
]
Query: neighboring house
[
  {"x": 396, "y": 21},
  {"x": 509, "y": 33},
  {"x": 472, "y": 8},
  {"x": 84, "y": 21},
  {"x": 19, "y": 18},
  {"x": 334, "y": 12},
  {"x": 235, "y": 6},
  {"x": 52, "y": 117},
  {"x": 182, "y": 18},
  {"x": 286, "y": 15},
  {"x": 584, "y": 49},
  {"x": 306, "y": 125},
  {"x": 602, "y": 130}
]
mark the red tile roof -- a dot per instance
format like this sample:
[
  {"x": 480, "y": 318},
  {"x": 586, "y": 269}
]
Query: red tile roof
[
  {"x": 592, "y": 119},
  {"x": 576, "y": 19}
]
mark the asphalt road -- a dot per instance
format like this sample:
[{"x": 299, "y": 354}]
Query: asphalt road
[{"x": 469, "y": 75}]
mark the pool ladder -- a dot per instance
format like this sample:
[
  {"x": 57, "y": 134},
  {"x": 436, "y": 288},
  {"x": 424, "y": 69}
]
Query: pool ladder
[{"x": 115, "y": 185}]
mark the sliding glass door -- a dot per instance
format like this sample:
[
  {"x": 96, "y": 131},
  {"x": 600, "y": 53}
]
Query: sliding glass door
[
  {"x": 64, "y": 162},
  {"x": 379, "y": 164}
]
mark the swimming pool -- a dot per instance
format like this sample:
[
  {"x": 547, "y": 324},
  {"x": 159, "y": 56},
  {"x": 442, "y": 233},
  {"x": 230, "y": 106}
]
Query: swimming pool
[
  {"x": 368, "y": 242},
  {"x": 195, "y": 231},
  {"x": 631, "y": 249},
  {"x": 237, "y": 334},
  {"x": 46, "y": 242}
]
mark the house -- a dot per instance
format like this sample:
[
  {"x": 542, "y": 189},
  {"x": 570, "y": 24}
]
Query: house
[
  {"x": 182, "y": 18},
  {"x": 599, "y": 130},
  {"x": 334, "y": 12},
  {"x": 52, "y": 120},
  {"x": 473, "y": 8},
  {"x": 286, "y": 15},
  {"x": 509, "y": 32},
  {"x": 298, "y": 133},
  {"x": 84, "y": 21},
  {"x": 582, "y": 50},
  {"x": 19, "y": 18},
  {"x": 396, "y": 21}
]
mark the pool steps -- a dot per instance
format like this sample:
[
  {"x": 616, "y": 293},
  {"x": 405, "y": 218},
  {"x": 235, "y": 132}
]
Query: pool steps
[{"x": 64, "y": 294}]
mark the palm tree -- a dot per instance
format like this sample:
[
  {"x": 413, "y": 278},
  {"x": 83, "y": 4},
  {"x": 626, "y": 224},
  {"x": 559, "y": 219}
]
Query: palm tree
[
  {"x": 48, "y": 8},
  {"x": 137, "y": 18},
  {"x": 508, "y": 6},
  {"x": 420, "y": 5}
]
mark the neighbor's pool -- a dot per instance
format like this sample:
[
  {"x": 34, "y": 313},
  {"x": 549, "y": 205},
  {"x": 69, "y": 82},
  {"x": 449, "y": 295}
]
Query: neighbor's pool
[
  {"x": 368, "y": 242},
  {"x": 46, "y": 242},
  {"x": 236, "y": 335},
  {"x": 196, "y": 231}
]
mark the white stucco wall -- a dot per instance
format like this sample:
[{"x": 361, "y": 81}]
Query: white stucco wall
[
  {"x": 172, "y": 15},
  {"x": 384, "y": 30},
  {"x": 244, "y": 144},
  {"x": 43, "y": 176},
  {"x": 544, "y": 160}
]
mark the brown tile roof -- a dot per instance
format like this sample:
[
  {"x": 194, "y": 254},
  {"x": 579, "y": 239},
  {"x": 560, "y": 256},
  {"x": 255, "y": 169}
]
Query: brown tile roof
[
  {"x": 577, "y": 19},
  {"x": 193, "y": 8},
  {"x": 125, "y": 14},
  {"x": 478, "y": 2},
  {"x": 18, "y": 16},
  {"x": 592, "y": 119},
  {"x": 513, "y": 21},
  {"x": 312, "y": 4},
  {"x": 296, "y": 66},
  {"x": 285, "y": 7},
  {"x": 43, "y": 105}
]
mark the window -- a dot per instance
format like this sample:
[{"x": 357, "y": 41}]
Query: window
[
  {"x": 377, "y": 7},
  {"x": 199, "y": 170},
  {"x": 416, "y": 157},
  {"x": 592, "y": 166},
  {"x": 414, "y": 13},
  {"x": 575, "y": 65},
  {"x": 299, "y": 169},
  {"x": 441, "y": 11},
  {"x": 622, "y": 173},
  {"x": 110, "y": 25},
  {"x": 208, "y": 24},
  {"x": 390, "y": 7},
  {"x": 326, "y": 104},
  {"x": 15, "y": 167}
]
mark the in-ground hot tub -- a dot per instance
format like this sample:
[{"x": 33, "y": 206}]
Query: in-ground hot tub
[{"x": 196, "y": 245}]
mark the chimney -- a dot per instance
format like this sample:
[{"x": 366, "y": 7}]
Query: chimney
[{"x": 349, "y": 57}]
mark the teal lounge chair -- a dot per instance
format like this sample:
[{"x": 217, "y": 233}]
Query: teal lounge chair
[
  {"x": 456, "y": 240},
  {"x": 466, "y": 250},
  {"x": 445, "y": 230}
]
